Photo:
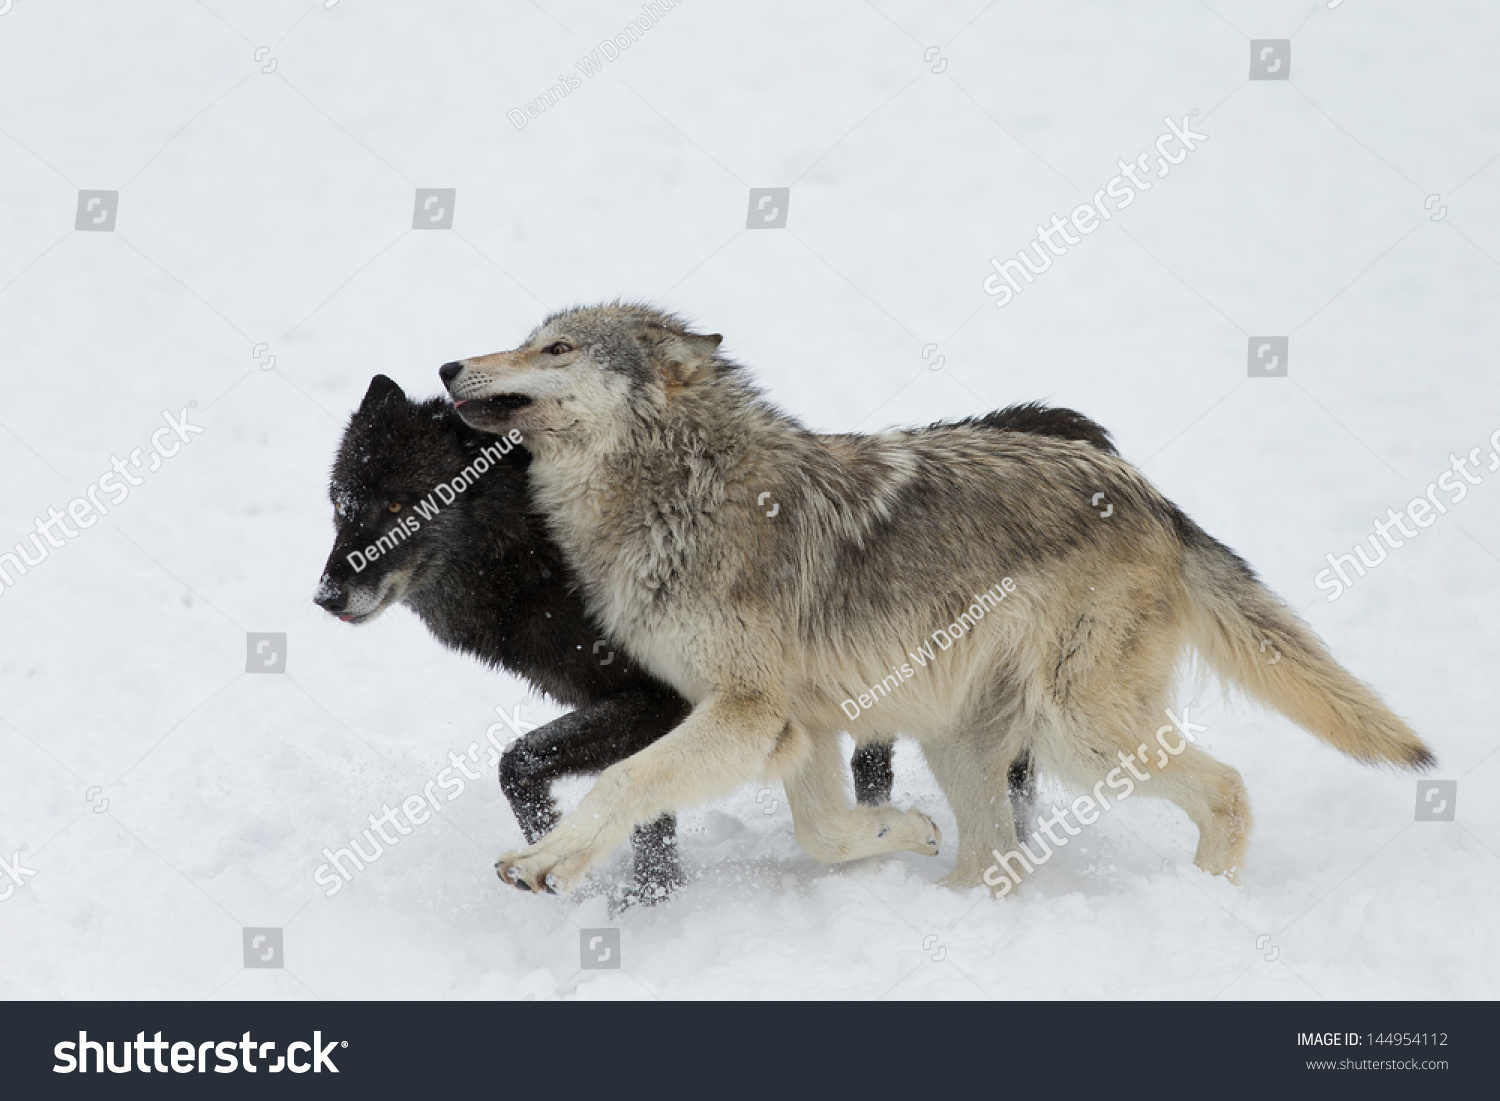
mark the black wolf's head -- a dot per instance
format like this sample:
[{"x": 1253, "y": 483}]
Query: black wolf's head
[{"x": 406, "y": 477}]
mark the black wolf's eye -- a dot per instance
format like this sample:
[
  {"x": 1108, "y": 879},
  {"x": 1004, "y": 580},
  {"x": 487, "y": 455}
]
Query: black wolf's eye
[
  {"x": 558, "y": 348},
  {"x": 394, "y": 506}
]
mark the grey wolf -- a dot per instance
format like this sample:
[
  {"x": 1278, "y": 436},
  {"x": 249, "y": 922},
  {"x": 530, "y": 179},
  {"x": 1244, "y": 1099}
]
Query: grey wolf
[
  {"x": 653, "y": 459},
  {"x": 477, "y": 566}
]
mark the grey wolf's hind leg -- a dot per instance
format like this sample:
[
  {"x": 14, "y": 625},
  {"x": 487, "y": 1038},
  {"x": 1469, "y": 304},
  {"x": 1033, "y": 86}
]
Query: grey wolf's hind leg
[{"x": 980, "y": 775}]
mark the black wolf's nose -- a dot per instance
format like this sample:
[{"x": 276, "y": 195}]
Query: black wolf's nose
[
  {"x": 450, "y": 371},
  {"x": 331, "y": 599}
]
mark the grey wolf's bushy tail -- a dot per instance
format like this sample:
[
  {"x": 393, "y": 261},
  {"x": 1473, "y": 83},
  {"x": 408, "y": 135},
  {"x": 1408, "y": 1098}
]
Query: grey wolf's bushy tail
[{"x": 1253, "y": 640}]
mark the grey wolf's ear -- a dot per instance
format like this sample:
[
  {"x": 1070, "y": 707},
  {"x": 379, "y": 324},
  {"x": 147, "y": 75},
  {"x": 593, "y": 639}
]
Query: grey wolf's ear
[
  {"x": 698, "y": 347},
  {"x": 682, "y": 354},
  {"x": 382, "y": 391}
]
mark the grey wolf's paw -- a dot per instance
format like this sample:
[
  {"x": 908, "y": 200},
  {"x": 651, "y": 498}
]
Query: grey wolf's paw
[
  {"x": 536, "y": 870},
  {"x": 907, "y": 831},
  {"x": 962, "y": 879}
]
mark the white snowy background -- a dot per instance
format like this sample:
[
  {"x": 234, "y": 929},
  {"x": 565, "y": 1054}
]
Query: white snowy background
[{"x": 167, "y": 799}]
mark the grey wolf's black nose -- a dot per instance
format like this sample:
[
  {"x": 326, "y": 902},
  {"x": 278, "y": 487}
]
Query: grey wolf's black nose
[{"x": 450, "y": 371}]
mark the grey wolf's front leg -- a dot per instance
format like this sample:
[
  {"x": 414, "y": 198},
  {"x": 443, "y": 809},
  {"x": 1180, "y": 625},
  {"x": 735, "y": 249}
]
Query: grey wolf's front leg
[
  {"x": 725, "y": 742},
  {"x": 588, "y": 741}
]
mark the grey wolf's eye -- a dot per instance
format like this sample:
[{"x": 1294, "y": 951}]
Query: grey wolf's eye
[
  {"x": 561, "y": 347},
  {"x": 394, "y": 506}
]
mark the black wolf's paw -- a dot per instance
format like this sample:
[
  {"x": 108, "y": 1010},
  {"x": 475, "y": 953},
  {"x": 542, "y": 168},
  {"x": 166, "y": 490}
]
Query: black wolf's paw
[{"x": 656, "y": 880}]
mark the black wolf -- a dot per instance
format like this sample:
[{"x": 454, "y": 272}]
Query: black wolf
[{"x": 485, "y": 577}]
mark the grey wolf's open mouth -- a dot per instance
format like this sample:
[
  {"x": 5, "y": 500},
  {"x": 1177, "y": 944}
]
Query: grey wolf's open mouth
[{"x": 500, "y": 403}]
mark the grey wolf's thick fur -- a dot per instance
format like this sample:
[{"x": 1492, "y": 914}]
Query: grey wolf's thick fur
[{"x": 653, "y": 456}]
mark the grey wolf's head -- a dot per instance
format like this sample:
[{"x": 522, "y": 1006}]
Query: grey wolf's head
[
  {"x": 575, "y": 375},
  {"x": 398, "y": 519}
]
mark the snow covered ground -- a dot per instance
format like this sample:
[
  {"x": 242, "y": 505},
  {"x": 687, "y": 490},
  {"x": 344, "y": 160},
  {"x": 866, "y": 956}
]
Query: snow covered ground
[{"x": 262, "y": 264}]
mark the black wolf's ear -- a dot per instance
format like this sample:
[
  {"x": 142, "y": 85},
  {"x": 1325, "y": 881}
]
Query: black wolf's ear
[{"x": 382, "y": 391}]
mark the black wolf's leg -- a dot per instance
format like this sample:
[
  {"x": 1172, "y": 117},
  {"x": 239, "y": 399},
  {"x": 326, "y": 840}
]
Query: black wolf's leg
[
  {"x": 1020, "y": 779},
  {"x": 873, "y": 777},
  {"x": 585, "y": 742},
  {"x": 872, "y": 773},
  {"x": 526, "y": 775},
  {"x": 657, "y": 868}
]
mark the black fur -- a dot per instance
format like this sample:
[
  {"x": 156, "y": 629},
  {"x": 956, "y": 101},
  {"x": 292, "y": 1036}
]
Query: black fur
[
  {"x": 1043, "y": 420},
  {"x": 488, "y": 580}
]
